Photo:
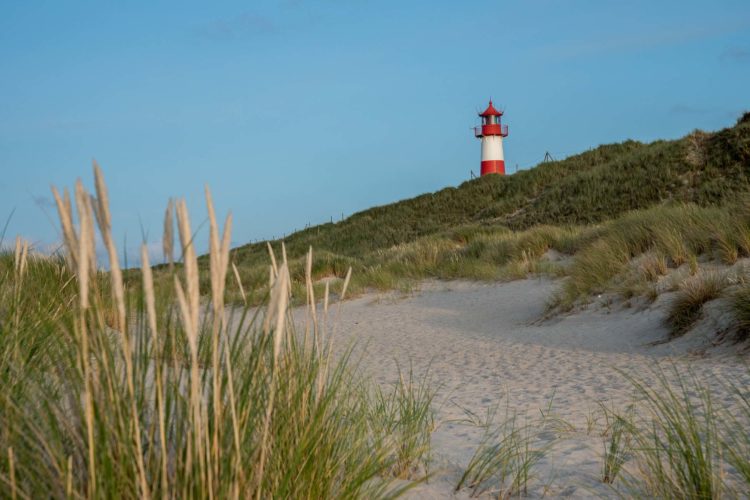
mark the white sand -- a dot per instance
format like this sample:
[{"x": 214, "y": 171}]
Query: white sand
[{"x": 484, "y": 346}]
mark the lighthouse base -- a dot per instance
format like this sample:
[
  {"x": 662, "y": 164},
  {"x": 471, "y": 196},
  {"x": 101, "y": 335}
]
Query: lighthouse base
[{"x": 493, "y": 167}]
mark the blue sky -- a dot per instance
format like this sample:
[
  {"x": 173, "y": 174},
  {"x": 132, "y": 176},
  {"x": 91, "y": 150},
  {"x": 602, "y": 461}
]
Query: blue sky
[{"x": 298, "y": 111}]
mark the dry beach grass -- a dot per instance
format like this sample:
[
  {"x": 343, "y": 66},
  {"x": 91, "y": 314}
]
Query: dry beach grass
[{"x": 153, "y": 392}]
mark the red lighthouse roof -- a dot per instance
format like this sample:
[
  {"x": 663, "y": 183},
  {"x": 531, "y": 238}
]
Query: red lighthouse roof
[{"x": 491, "y": 111}]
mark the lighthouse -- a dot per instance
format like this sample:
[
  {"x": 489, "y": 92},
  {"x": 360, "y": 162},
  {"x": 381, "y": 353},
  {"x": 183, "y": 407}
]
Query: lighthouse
[{"x": 491, "y": 133}]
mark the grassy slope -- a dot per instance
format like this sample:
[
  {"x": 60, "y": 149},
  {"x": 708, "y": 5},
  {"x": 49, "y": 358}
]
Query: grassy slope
[
  {"x": 497, "y": 227},
  {"x": 590, "y": 187}
]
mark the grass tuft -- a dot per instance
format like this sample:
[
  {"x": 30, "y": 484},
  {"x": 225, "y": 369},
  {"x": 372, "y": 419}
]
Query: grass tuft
[
  {"x": 687, "y": 304},
  {"x": 677, "y": 446},
  {"x": 740, "y": 303},
  {"x": 404, "y": 419},
  {"x": 504, "y": 461},
  {"x": 618, "y": 445}
]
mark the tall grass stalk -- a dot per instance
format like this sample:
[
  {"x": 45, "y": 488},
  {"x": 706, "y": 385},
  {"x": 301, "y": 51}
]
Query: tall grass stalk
[{"x": 617, "y": 447}]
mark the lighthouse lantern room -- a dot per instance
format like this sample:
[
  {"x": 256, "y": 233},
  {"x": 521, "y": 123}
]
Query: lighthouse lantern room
[{"x": 491, "y": 132}]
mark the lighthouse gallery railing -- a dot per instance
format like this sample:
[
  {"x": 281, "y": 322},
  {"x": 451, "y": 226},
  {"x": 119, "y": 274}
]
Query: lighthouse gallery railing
[{"x": 483, "y": 130}]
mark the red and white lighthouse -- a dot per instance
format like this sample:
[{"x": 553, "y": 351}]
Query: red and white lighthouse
[{"x": 491, "y": 133}]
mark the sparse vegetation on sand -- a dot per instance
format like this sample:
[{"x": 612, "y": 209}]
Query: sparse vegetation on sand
[
  {"x": 504, "y": 462},
  {"x": 683, "y": 441},
  {"x": 675, "y": 440}
]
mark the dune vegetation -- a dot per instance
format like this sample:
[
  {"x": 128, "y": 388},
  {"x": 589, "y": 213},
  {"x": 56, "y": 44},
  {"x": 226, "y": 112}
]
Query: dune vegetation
[
  {"x": 591, "y": 187},
  {"x": 141, "y": 383},
  {"x": 615, "y": 219},
  {"x": 117, "y": 391}
]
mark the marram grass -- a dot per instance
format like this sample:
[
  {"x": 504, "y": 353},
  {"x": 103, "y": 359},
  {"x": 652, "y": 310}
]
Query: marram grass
[
  {"x": 687, "y": 305},
  {"x": 138, "y": 391},
  {"x": 677, "y": 439}
]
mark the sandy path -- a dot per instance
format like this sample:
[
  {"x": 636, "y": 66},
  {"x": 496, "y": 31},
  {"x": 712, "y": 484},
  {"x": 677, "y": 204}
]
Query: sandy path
[{"x": 484, "y": 346}]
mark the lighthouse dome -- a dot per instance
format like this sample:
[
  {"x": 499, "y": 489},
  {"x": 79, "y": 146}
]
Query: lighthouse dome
[{"x": 491, "y": 111}]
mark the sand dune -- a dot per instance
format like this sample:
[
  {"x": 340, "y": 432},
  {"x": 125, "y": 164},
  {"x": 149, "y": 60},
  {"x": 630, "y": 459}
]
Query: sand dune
[{"x": 484, "y": 346}]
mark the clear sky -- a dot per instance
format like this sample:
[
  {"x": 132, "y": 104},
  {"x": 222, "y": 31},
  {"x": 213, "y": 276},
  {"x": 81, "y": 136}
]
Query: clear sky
[{"x": 298, "y": 111}]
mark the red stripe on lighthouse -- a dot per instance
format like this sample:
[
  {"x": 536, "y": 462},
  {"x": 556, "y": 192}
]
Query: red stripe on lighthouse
[{"x": 493, "y": 167}]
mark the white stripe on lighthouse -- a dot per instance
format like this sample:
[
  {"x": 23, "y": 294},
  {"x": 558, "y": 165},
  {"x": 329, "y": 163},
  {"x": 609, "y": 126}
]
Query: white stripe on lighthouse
[{"x": 492, "y": 148}]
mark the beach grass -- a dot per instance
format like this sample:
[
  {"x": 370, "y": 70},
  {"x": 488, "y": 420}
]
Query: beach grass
[
  {"x": 687, "y": 304},
  {"x": 122, "y": 389},
  {"x": 628, "y": 256},
  {"x": 503, "y": 465},
  {"x": 617, "y": 442},
  {"x": 734, "y": 435},
  {"x": 404, "y": 416},
  {"x": 635, "y": 250},
  {"x": 677, "y": 438},
  {"x": 740, "y": 301}
]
